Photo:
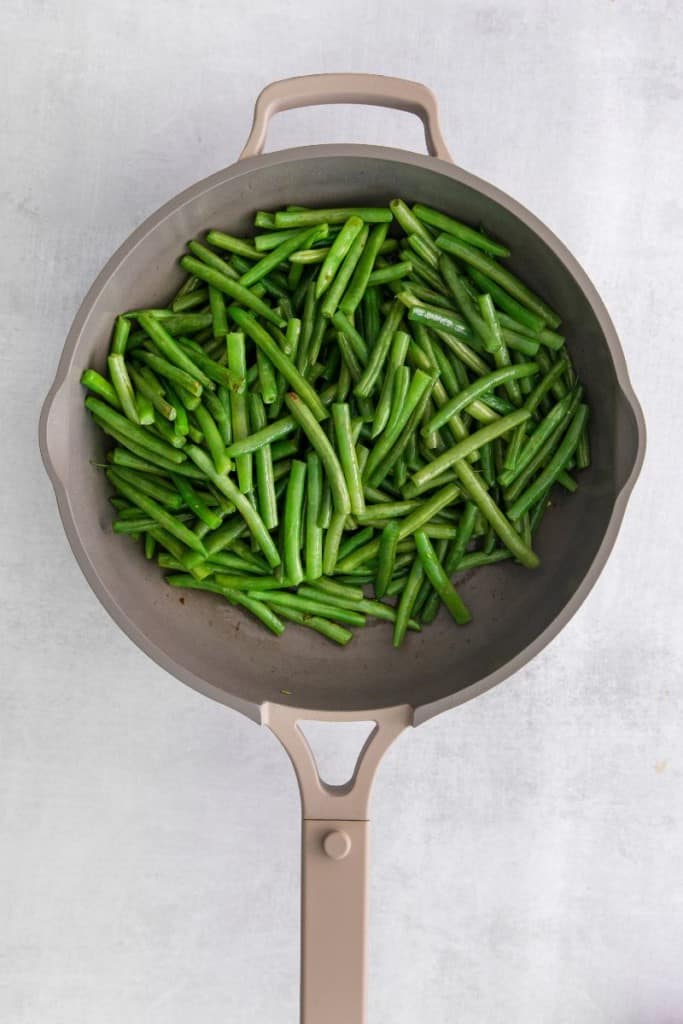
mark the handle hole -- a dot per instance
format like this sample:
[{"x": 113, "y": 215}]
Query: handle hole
[
  {"x": 339, "y": 123},
  {"x": 336, "y": 747}
]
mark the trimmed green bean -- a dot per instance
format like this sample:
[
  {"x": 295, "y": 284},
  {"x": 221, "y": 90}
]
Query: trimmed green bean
[
  {"x": 459, "y": 230},
  {"x": 263, "y": 459},
  {"x": 336, "y": 215},
  {"x": 503, "y": 277}
]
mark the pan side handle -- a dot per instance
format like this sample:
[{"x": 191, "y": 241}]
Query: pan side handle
[
  {"x": 369, "y": 90},
  {"x": 334, "y": 862}
]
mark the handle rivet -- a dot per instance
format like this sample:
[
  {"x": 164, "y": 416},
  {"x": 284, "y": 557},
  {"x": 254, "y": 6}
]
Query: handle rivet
[{"x": 337, "y": 845}]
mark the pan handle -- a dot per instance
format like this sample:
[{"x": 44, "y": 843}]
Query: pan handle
[
  {"x": 370, "y": 90},
  {"x": 334, "y": 862}
]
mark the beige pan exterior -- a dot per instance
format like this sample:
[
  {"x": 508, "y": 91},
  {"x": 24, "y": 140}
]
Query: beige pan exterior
[{"x": 215, "y": 649}]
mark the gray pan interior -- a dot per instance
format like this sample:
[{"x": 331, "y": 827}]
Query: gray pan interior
[{"x": 221, "y": 651}]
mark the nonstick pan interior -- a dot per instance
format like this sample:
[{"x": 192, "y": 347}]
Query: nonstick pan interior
[{"x": 220, "y": 650}]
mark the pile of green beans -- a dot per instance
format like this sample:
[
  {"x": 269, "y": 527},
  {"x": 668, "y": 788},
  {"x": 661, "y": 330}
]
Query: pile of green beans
[{"x": 350, "y": 398}]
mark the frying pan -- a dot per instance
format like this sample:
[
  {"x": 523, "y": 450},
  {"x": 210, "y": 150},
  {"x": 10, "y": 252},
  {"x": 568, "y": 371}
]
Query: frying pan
[{"x": 281, "y": 682}]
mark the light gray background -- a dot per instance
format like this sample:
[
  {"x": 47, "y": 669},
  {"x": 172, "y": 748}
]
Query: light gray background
[{"x": 528, "y": 862}]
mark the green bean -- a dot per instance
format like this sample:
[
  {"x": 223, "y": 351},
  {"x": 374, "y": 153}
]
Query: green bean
[
  {"x": 212, "y": 259},
  {"x": 262, "y": 219},
  {"x": 392, "y": 272},
  {"x": 303, "y": 240},
  {"x": 214, "y": 370},
  {"x": 332, "y": 541},
  {"x": 190, "y": 300},
  {"x": 247, "y": 582},
  {"x": 368, "y": 381},
  {"x": 258, "y": 609},
  {"x": 478, "y": 325},
  {"x": 422, "y": 270},
  {"x": 263, "y": 459},
  {"x": 337, "y": 215},
  {"x": 99, "y": 385},
  {"x": 195, "y": 502},
  {"x": 367, "y": 315},
  {"x": 411, "y": 224},
  {"x": 479, "y": 387},
  {"x": 308, "y": 256},
  {"x": 554, "y": 418},
  {"x": 419, "y": 386},
  {"x": 337, "y": 253},
  {"x": 359, "y": 280},
  {"x": 583, "y": 451},
  {"x": 188, "y": 285},
  {"x": 121, "y": 333},
  {"x": 155, "y": 511},
  {"x": 126, "y": 429},
  {"x": 355, "y": 541},
  {"x": 283, "y": 449},
  {"x": 265, "y": 436},
  {"x": 457, "y": 550},
  {"x": 133, "y": 526},
  {"x": 493, "y": 514},
  {"x": 144, "y": 387},
  {"x": 274, "y": 283},
  {"x": 271, "y": 239},
  {"x": 123, "y": 386},
  {"x": 310, "y": 606},
  {"x": 328, "y": 629},
  {"x": 238, "y": 245},
  {"x": 333, "y": 589},
  {"x": 318, "y": 439},
  {"x": 400, "y": 383},
  {"x": 356, "y": 343},
  {"x": 172, "y": 373},
  {"x": 313, "y": 540},
  {"x": 151, "y": 487},
  {"x": 213, "y": 439},
  {"x": 402, "y": 443},
  {"x": 544, "y": 453},
  {"x": 238, "y": 408},
  {"x": 286, "y": 367},
  {"x": 291, "y": 528},
  {"x": 218, "y": 314},
  {"x": 126, "y": 458},
  {"x": 441, "y": 319},
  {"x": 454, "y": 227},
  {"x": 267, "y": 378},
  {"x": 171, "y": 350},
  {"x": 292, "y": 337},
  {"x": 242, "y": 504},
  {"x": 217, "y": 409},
  {"x": 387, "y": 509},
  {"x": 503, "y": 277},
  {"x": 428, "y": 600},
  {"x": 345, "y": 271},
  {"x": 415, "y": 521},
  {"x": 386, "y": 557},
  {"x": 557, "y": 463},
  {"x": 440, "y": 581},
  {"x": 460, "y": 451},
  {"x": 341, "y": 416},
  {"x": 426, "y": 251},
  {"x": 505, "y": 302},
  {"x": 374, "y": 609},
  {"x": 236, "y": 291},
  {"x": 407, "y": 602}
]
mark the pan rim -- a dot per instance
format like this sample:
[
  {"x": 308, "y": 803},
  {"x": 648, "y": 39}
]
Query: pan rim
[{"x": 50, "y": 411}]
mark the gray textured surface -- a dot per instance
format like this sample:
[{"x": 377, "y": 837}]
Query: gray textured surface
[{"x": 527, "y": 847}]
